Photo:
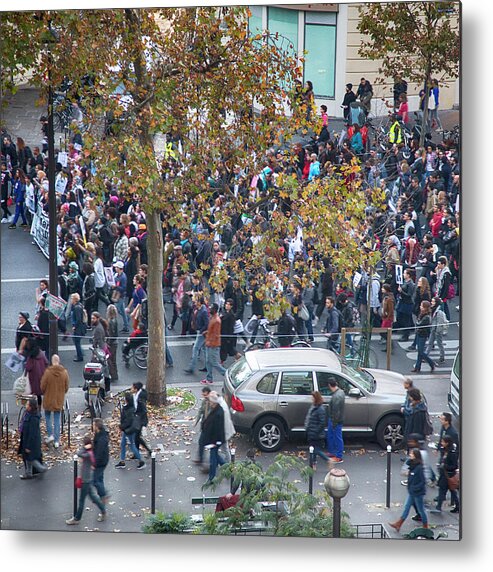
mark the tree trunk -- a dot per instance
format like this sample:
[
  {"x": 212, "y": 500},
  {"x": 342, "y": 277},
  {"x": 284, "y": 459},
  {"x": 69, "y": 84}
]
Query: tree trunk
[{"x": 156, "y": 368}]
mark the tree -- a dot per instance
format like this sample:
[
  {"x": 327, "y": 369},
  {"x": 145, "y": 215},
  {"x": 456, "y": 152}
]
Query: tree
[
  {"x": 193, "y": 74},
  {"x": 414, "y": 39}
]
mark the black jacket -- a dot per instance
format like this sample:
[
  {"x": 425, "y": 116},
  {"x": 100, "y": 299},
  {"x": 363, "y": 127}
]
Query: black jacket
[
  {"x": 141, "y": 410},
  {"x": 31, "y": 437},
  {"x": 315, "y": 423},
  {"x": 213, "y": 427},
  {"x": 417, "y": 419},
  {"x": 127, "y": 420},
  {"x": 101, "y": 448}
]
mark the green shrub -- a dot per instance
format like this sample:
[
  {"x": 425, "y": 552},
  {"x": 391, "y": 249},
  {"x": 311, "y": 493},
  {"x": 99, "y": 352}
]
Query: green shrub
[{"x": 172, "y": 523}]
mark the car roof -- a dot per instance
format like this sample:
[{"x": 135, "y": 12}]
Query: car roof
[{"x": 292, "y": 357}]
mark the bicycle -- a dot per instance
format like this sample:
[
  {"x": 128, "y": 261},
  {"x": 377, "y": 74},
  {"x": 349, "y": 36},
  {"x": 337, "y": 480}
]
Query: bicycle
[
  {"x": 360, "y": 354},
  {"x": 268, "y": 340}
]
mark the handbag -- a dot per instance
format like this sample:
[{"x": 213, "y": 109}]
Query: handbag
[
  {"x": 22, "y": 385},
  {"x": 78, "y": 483},
  {"x": 115, "y": 295},
  {"x": 303, "y": 313},
  {"x": 454, "y": 481}
]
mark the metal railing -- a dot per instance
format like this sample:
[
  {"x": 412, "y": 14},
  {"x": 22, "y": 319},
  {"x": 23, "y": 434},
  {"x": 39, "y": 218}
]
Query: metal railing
[{"x": 370, "y": 530}]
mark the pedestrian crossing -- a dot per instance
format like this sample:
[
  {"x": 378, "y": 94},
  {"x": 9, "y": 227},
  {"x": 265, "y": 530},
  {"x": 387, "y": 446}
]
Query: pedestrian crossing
[{"x": 450, "y": 346}]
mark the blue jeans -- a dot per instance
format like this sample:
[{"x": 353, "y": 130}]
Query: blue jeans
[
  {"x": 197, "y": 347},
  {"x": 212, "y": 361},
  {"x": 169, "y": 359},
  {"x": 215, "y": 460},
  {"x": 131, "y": 443},
  {"x": 120, "y": 306},
  {"x": 88, "y": 489},
  {"x": 418, "y": 502},
  {"x": 335, "y": 444},
  {"x": 318, "y": 450},
  {"x": 55, "y": 425},
  {"x": 19, "y": 212},
  {"x": 422, "y": 355},
  {"x": 78, "y": 347},
  {"x": 98, "y": 481}
]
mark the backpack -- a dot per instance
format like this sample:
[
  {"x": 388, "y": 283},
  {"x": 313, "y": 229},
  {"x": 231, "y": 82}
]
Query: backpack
[{"x": 356, "y": 315}]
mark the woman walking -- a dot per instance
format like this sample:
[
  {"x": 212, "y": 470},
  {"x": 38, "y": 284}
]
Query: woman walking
[
  {"x": 19, "y": 193},
  {"x": 112, "y": 340},
  {"x": 449, "y": 465},
  {"x": 315, "y": 423},
  {"x": 438, "y": 327},
  {"x": 129, "y": 425},
  {"x": 36, "y": 364},
  {"x": 416, "y": 487},
  {"x": 423, "y": 327}
]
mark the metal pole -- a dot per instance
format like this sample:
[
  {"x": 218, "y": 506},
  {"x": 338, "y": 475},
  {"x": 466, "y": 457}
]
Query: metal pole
[
  {"x": 53, "y": 244},
  {"x": 75, "y": 488},
  {"x": 233, "y": 457},
  {"x": 311, "y": 460},
  {"x": 336, "y": 519},
  {"x": 67, "y": 404},
  {"x": 389, "y": 459},
  {"x": 343, "y": 342},
  {"x": 389, "y": 347},
  {"x": 153, "y": 482}
]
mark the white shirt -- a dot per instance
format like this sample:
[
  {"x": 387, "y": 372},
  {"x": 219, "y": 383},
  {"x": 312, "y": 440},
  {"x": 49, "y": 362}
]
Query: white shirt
[{"x": 99, "y": 277}]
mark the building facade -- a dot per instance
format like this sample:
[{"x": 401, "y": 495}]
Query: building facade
[{"x": 326, "y": 39}]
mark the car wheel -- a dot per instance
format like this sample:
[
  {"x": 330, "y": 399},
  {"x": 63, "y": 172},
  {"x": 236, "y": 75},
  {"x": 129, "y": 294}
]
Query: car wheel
[
  {"x": 390, "y": 431},
  {"x": 268, "y": 434}
]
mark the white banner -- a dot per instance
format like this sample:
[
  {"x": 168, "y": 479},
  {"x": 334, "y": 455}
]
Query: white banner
[{"x": 40, "y": 231}]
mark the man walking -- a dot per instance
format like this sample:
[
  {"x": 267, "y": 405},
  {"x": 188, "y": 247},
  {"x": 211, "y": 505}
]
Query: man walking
[
  {"x": 119, "y": 293},
  {"x": 79, "y": 329},
  {"x": 54, "y": 386},
  {"x": 201, "y": 324},
  {"x": 335, "y": 411},
  {"x": 101, "y": 448},
  {"x": 140, "y": 404},
  {"x": 30, "y": 445},
  {"x": 203, "y": 412},
  {"x": 213, "y": 345}
]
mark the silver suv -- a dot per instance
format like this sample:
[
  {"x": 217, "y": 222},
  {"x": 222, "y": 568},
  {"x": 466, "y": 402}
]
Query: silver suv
[{"x": 269, "y": 394}]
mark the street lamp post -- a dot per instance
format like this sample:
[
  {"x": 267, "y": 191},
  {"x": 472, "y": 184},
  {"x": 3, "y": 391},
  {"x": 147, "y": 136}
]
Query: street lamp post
[
  {"x": 53, "y": 240},
  {"x": 337, "y": 485}
]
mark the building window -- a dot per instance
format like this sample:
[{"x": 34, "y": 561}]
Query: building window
[
  {"x": 255, "y": 20},
  {"x": 320, "y": 48},
  {"x": 285, "y": 23}
]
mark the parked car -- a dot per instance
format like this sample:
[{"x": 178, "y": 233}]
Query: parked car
[{"x": 269, "y": 394}]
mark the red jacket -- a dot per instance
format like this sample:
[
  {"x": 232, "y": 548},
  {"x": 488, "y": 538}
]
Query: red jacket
[{"x": 435, "y": 224}]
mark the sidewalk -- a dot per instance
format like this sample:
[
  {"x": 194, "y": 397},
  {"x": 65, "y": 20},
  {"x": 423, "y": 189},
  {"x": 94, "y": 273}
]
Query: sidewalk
[{"x": 50, "y": 499}]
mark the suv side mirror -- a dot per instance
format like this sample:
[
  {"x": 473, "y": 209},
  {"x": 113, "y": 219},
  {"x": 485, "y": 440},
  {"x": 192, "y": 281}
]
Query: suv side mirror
[{"x": 354, "y": 392}]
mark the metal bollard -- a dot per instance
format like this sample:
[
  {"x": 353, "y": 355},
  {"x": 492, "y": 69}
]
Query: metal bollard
[
  {"x": 233, "y": 457},
  {"x": 311, "y": 460},
  {"x": 75, "y": 488},
  {"x": 389, "y": 467},
  {"x": 153, "y": 482},
  {"x": 67, "y": 406}
]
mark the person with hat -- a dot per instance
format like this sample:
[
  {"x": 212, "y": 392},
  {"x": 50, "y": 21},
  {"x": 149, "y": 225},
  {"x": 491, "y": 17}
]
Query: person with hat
[
  {"x": 23, "y": 332},
  {"x": 119, "y": 293},
  {"x": 349, "y": 97}
]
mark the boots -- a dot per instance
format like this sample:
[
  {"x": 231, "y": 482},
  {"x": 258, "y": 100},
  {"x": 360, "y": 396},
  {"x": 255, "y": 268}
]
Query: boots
[
  {"x": 425, "y": 526},
  {"x": 397, "y": 524}
]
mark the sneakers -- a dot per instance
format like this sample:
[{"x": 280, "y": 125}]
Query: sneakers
[
  {"x": 315, "y": 321},
  {"x": 101, "y": 516},
  {"x": 417, "y": 518},
  {"x": 141, "y": 465},
  {"x": 5, "y": 220},
  {"x": 49, "y": 439},
  {"x": 203, "y": 369},
  {"x": 56, "y": 444},
  {"x": 120, "y": 465},
  {"x": 436, "y": 510},
  {"x": 25, "y": 477},
  {"x": 455, "y": 510},
  {"x": 411, "y": 349},
  {"x": 206, "y": 382},
  {"x": 24, "y": 225},
  {"x": 12, "y": 226},
  {"x": 72, "y": 521},
  {"x": 336, "y": 460},
  {"x": 189, "y": 371}
]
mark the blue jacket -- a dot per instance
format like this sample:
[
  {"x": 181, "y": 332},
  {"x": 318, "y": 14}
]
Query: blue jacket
[
  {"x": 314, "y": 170},
  {"x": 202, "y": 319},
  {"x": 416, "y": 481},
  {"x": 19, "y": 192}
]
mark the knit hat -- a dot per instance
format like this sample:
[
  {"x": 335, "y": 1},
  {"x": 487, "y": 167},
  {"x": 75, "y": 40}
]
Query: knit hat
[
  {"x": 74, "y": 265},
  {"x": 25, "y": 315}
]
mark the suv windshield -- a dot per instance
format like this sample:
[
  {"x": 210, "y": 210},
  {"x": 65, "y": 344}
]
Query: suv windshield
[
  {"x": 362, "y": 377},
  {"x": 239, "y": 372}
]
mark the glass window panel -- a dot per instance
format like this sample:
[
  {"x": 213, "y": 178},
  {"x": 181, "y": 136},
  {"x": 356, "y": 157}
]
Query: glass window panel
[
  {"x": 285, "y": 23},
  {"x": 327, "y": 18},
  {"x": 255, "y": 20},
  {"x": 320, "y": 45},
  {"x": 268, "y": 384},
  {"x": 297, "y": 383}
]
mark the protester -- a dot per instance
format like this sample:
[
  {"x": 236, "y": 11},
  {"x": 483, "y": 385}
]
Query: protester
[
  {"x": 54, "y": 386},
  {"x": 36, "y": 364},
  {"x": 140, "y": 405},
  {"x": 86, "y": 453},
  {"x": 315, "y": 424},
  {"x": 213, "y": 430},
  {"x": 30, "y": 443},
  {"x": 129, "y": 425},
  {"x": 101, "y": 448},
  {"x": 213, "y": 345},
  {"x": 335, "y": 413}
]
